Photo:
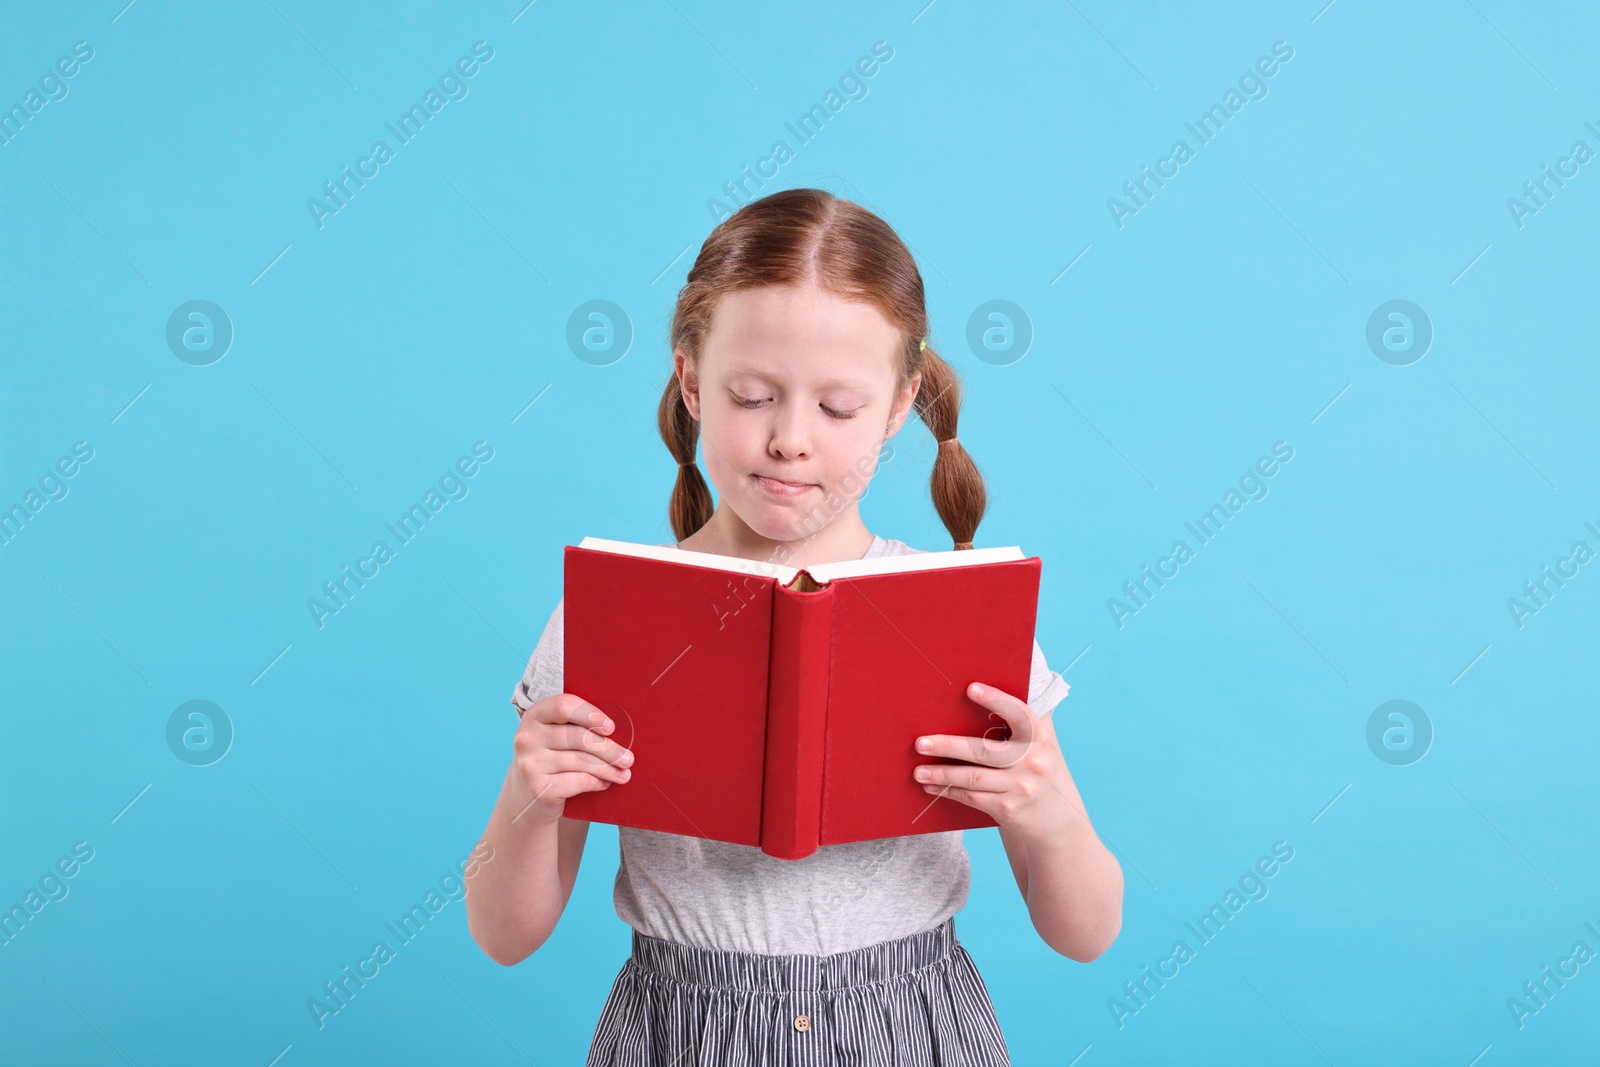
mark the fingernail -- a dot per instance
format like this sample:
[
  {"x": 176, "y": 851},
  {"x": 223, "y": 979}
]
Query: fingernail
[
  {"x": 922, "y": 744},
  {"x": 977, "y": 690},
  {"x": 626, "y": 772},
  {"x": 627, "y": 759}
]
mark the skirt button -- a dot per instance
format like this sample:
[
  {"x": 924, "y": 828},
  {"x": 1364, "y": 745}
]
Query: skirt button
[{"x": 802, "y": 1023}]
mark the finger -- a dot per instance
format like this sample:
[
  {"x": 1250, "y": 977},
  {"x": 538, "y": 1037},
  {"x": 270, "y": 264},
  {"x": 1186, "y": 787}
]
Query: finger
[
  {"x": 984, "y": 750},
  {"x": 571, "y": 708},
  {"x": 1014, "y": 714},
  {"x": 565, "y": 784},
  {"x": 557, "y": 788},
  {"x": 567, "y": 760},
  {"x": 984, "y": 802},
  {"x": 585, "y": 739},
  {"x": 972, "y": 779}
]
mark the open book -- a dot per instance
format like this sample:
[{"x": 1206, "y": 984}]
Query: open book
[{"x": 777, "y": 706}]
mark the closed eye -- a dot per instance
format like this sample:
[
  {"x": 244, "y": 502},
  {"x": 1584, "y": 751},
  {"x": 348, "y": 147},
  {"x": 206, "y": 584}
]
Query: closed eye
[{"x": 747, "y": 402}]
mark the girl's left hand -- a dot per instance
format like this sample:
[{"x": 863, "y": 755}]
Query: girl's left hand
[{"x": 1021, "y": 783}]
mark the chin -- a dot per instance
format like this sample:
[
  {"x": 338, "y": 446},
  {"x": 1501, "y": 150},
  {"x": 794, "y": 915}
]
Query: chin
[
  {"x": 778, "y": 527},
  {"x": 777, "y": 522}
]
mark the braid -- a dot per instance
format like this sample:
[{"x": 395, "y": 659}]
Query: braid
[
  {"x": 956, "y": 484},
  {"x": 691, "y": 506}
]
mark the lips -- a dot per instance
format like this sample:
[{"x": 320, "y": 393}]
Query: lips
[{"x": 779, "y": 487}]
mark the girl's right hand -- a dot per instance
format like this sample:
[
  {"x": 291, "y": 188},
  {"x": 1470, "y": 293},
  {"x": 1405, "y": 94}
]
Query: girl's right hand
[{"x": 563, "y": 748}]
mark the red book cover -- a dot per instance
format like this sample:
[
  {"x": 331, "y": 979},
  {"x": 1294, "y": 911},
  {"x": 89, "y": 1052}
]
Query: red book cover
[{"x": 777, "y": 707}]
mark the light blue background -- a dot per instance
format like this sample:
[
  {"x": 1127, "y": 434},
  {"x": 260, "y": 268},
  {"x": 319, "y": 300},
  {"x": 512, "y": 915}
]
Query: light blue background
[{"x": 1228, "y": 314}]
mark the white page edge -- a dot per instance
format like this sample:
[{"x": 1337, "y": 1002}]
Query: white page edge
[{"x": 821, "y": 572}]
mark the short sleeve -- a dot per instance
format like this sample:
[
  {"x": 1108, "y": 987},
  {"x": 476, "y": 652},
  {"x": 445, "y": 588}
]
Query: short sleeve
[
  {"x": 1046, "y": 688},
  {"x": 543, "y": 675}
]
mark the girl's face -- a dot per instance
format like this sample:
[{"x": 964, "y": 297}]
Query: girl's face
[{"x": 793, "y": 392}]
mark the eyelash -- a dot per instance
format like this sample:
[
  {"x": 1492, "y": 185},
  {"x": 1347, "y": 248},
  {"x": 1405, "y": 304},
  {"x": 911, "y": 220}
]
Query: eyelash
[{"x": 747, "y": 403}]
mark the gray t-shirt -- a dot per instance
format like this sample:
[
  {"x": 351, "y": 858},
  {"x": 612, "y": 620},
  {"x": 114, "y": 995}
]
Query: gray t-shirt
[{"x": 714, "y": 894}]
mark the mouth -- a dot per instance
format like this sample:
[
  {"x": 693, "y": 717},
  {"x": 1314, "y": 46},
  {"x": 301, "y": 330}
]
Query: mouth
[{"x": 778, "y": 487}]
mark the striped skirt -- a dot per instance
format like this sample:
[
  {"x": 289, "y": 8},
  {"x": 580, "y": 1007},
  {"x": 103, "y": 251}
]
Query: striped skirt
[{"x": 916, "y": 1000}]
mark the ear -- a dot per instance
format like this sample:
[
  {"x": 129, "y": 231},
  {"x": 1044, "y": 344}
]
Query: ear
[
  {"x": 688, "y": 381},
  {"x": 902, "y": 406}
]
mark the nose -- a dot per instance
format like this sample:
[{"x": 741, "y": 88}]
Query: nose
[{"x": 790, "y": 438}]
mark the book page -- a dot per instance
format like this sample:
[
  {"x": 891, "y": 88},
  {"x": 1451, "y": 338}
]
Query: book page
[
  {"x": 821, "y": 572},
  {"x": 693, "y": 559},
  {"x": 920, "y": 561}
]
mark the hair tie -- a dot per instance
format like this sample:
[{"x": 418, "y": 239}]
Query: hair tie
[
  {"x": 963, "y": 544},
  {"x": 922, "y": 345},
  {"x": 688, "y": 464},
  {"x": 947, "y": 441}
]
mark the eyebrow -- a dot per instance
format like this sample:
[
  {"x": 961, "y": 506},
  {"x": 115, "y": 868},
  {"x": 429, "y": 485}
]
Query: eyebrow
[{"x": 832, "y": 383}]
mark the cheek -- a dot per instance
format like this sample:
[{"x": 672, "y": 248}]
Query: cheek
[
  {"x": 734, "y": 436},
  {"x": 725, "y": 449},
  {"x": 852, "y": 465}
]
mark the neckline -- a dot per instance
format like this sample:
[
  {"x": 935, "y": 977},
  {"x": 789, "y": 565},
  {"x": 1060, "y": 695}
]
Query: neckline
[{"x": 874, "y": 550}]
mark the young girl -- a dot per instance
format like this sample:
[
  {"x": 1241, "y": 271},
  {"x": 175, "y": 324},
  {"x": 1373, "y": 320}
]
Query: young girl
[{"x": 798, "y": 350}]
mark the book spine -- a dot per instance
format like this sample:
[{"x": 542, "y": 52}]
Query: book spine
[{"x": 797, "y": 713}]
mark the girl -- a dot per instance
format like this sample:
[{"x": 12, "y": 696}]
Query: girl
[{"x": 798, "y": 350}]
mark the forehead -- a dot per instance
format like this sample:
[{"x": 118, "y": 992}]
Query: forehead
[{"x": 802, "y": 334}]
